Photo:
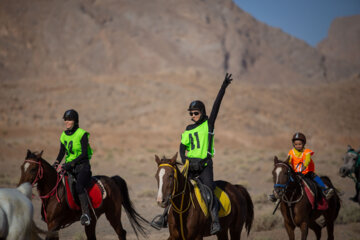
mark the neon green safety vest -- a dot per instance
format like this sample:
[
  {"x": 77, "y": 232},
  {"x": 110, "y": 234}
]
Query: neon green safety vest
[
  {"x": 73, "y": 146},
  {"x": 197, "y": 141}
]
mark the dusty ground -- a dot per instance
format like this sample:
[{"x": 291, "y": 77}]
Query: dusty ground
[{"x": 243, "y": 165}]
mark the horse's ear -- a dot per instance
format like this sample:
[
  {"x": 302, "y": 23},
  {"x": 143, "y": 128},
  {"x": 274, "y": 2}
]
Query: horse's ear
[
  {"x": 40, "y": 154},
  {"x": 276, "y": 160},
  {"x": 287, "y": 159},
  {"x": 349, "y": 147},
  {"x": 173, "y": 159},
  {"x": 157, "y": 159},
  {"x": 28, "y": 154}
]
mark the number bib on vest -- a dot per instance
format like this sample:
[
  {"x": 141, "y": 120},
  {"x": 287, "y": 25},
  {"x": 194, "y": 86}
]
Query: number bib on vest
[
  {"x": 197, "y": 141},
  {"x": 73, "y": 146}
]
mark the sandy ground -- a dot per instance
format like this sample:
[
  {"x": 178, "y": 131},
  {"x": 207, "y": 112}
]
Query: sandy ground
[{"x": 252, "y": 168}]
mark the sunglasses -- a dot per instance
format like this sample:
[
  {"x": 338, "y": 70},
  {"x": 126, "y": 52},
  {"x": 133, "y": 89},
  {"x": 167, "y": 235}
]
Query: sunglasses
[{"x": 194, "y": 113}]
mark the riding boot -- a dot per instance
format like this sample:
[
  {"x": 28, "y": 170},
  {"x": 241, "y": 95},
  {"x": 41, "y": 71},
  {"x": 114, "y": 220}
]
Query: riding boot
[
  {"x": 160, "y": 221},
  {"x": 85, "y": 217},
  {"x": 215, "y": 225}
]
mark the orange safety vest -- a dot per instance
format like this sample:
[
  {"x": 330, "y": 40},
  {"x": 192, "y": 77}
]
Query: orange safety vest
[{"x": 298, "y": 162}]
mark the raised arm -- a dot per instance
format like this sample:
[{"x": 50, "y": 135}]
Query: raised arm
[{"x": 217, "y": 102}]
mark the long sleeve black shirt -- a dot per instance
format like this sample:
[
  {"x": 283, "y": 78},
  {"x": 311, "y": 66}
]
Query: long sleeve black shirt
[{"x": 211, "y": 119}]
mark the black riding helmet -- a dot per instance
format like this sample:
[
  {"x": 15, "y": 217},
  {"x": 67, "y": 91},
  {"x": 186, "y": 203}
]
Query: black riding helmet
[
  {"x": 299, "y": 136},
  {"x": 197, "y": 105},
  {"x": 71, "y": 115}
]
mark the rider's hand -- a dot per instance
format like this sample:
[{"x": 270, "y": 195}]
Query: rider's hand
[
  {"x": 67, "y": 166},
  {"x": 227, "y": 79},
  {"x": 55, "y": 164}
]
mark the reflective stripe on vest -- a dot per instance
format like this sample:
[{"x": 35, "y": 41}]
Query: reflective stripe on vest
[{"x": 298, "y": 162}]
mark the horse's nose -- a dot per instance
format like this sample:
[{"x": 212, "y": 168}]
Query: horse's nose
[{"x": 161, "y": 202}]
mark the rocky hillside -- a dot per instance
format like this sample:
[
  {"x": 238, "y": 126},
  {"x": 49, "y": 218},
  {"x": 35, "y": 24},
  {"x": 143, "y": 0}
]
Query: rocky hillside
[
  {"x": 343, "y": 41},
  {"x": 88, "y": 38}
]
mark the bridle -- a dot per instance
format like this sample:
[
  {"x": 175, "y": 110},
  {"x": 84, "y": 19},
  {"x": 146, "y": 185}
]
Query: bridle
[
  {"x": 284, "y": 187},
  {"x": 174, "y": 195},
  {"x": 39, "y": 176},
  {"x": 356, "y": 165},
  {"x": 180, "y": 210},
  {"x": 284, "y": 198}
]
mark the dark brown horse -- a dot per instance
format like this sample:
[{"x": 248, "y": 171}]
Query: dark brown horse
[
  {"x": 351, "y": 169},
  {"x": 186, "y": 219},
  {"x": 55, "y": 210},
  {"x": 295, "y": 206}
]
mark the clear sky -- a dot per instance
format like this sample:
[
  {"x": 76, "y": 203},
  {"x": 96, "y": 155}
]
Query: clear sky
[{"x": 305, "y": 19}]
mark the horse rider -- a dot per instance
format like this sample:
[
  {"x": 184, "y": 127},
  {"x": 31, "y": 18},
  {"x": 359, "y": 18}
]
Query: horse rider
[
  {"x": 74, "y": 142},
  {"x": 300, "y": 160},
  {"x": 198, "y": 141}
]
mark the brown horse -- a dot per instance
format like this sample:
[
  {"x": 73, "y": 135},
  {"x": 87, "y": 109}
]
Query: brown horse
[
  {"x": 296, "y": 208},
  {"x": 186, "y": 219},
  {"x": 55, "y": 210}
]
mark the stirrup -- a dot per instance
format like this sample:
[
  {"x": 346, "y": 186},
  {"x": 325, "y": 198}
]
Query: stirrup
[
  {"x": 329, "y": 193},
  {"x": 215, "y": 228},
  {"x": 85, "y": 220},
  {"x": 159, "y": 222}
]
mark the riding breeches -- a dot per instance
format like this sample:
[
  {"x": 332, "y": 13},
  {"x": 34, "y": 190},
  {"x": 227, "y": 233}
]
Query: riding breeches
[
  {"x": 207, "y": 175},
  {"x": 83, "y": 177}
]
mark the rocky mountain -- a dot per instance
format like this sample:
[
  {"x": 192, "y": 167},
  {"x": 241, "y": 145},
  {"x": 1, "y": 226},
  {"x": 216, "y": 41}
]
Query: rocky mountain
[
  {"x": 112, "y": 37},
  {"x": 122, "y": 64},
  {"x": 343, "y": 41}
]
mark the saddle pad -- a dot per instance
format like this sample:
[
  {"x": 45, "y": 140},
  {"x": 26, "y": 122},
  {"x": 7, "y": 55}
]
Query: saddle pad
[
  {"x": 225, "y": 203},
  {"x": 321, "y": 205},
  {"x": 96, "y": 193}
]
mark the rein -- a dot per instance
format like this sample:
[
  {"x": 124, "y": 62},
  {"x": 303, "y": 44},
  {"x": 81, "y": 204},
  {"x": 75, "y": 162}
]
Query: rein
[
  {"x": 180, "y": 210},
  {"x": 284, "y": 198},
  {"x": 54, "y": 190}
]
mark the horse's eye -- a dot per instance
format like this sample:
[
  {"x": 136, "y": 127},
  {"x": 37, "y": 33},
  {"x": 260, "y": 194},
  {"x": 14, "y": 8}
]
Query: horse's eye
[
  {"x": 33, "y": 170},
  {"x": 171, "y": 176}
]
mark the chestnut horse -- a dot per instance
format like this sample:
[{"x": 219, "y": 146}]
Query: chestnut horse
[
  {"x": 351, "y": 169},
  {"x": 295, "y": 206},
  {"x": 55, "y": 210},
  {"x": 186, "y": 219}
]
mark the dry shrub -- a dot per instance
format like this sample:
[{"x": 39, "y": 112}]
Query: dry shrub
[
  {"x": 349, "y": 213},
  {"x": 267, "y": 222}
]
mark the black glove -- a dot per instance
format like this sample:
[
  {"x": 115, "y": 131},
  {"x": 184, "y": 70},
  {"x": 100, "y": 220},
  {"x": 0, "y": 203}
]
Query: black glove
[
  {"x": 67, "y": 166},
  {"x": 55, "y": 164},
  {"x": 227, "y": 79}
]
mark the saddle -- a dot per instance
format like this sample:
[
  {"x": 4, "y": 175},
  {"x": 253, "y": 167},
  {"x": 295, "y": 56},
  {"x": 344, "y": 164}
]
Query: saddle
[
  {"x": 314, "y": 194},
  {"x": 205, "y": 199},
  {"x": 96, "y": 192}
]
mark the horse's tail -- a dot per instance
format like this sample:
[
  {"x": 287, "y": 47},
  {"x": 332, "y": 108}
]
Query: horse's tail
[
  {"x": 249, "y": 218},
  {"x": 136, "y": 220}
]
